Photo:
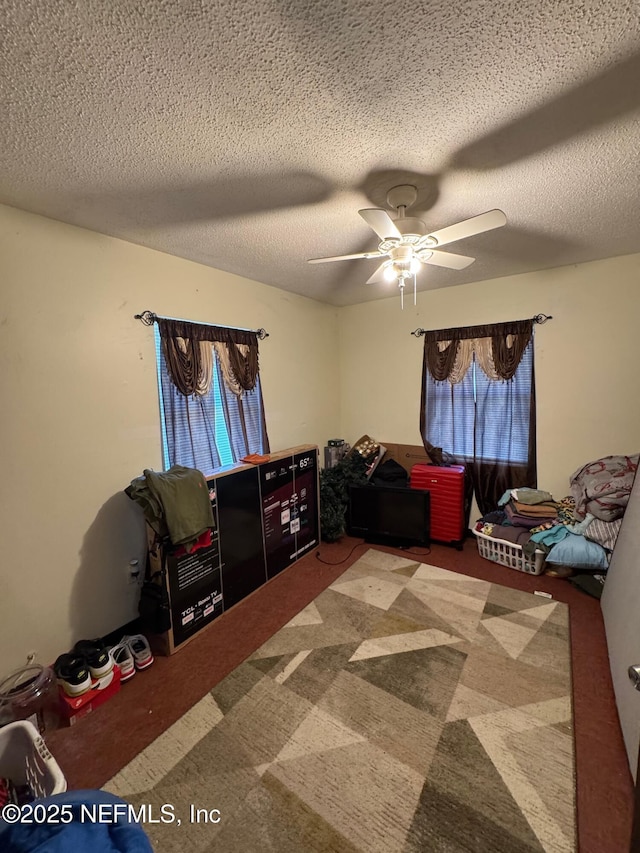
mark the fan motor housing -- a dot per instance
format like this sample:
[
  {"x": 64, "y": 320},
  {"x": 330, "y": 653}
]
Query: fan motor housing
[
  {"x": 401, "y": 254},
  {"x": 410, "y": 225}
]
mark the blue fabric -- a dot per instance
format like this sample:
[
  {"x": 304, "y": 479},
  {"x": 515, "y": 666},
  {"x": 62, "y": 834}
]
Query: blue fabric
[
  {"x": 506, "y": 497},
  {"x": 579, "y": 553},
  {"x": 581, "y": 527},
  {"x": 79, "y": 836},
  {"x": 551, "y": 536}
]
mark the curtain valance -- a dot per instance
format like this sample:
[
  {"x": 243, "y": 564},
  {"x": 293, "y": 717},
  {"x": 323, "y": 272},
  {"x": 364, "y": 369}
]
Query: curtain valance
[
  {"x": 498, "y": 348},
  {"x": 188, "y": 351}
]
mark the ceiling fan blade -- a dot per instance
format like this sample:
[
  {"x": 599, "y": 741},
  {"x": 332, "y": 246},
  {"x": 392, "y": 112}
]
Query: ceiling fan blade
[
  {"x": 469, "y": 227},
  {"x": 592, "y": 104},
  {"x": 345, "y": 257},
  {"x": 378, "y": 275},
  {"x": 381, "y": 222},
  {"x": 206, "y": 201},
  {"x": 446, "y": 259}
]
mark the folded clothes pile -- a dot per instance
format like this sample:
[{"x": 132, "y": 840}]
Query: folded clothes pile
[
  {"x": 522, "y": 511},
  {"x": 531, "y": 519},
  {"x": 531, "y": 515}
]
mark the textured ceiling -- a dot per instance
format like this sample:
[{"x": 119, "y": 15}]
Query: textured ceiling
[{"x": 247, "y": 136}]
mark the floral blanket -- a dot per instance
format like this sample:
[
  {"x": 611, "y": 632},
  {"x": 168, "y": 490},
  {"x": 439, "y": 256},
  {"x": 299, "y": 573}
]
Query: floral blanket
[{"x": 603, "y": 487}]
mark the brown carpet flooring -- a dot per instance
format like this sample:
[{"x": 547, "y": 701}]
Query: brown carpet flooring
[{"x": 96, "y": 748}]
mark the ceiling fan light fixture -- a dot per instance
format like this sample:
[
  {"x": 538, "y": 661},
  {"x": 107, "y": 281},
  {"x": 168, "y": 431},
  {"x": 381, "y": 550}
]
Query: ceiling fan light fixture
[
  {"x": 402, "y": 270},
  {"x": 389, "y": 271}
]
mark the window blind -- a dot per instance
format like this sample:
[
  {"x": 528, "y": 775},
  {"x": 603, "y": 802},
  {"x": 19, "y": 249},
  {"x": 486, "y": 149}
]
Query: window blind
[{"x": 479, "y": 418}]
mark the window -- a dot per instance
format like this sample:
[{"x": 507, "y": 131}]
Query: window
[
  {"x": 211, "y": 430},
  {"x": 482, "y": 419},
  {"x": 479, "y": 406}
]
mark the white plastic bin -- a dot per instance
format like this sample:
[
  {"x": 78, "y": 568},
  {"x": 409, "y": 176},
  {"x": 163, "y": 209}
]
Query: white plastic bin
[
  {"x": 509, "y": 554},
  {"x": 25, "y": 759}
]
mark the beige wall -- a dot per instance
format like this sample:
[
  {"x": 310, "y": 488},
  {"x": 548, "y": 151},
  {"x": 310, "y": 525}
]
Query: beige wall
[
  {"x": 80, "y": 406},
  {"x": 586, "y": 359},
  {"x": 80, "y": 412}
]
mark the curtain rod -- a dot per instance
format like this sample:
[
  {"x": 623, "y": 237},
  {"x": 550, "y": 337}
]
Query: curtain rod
[
  {"x": 539, "y": 318},
  {"x": 149, "y": 318}
]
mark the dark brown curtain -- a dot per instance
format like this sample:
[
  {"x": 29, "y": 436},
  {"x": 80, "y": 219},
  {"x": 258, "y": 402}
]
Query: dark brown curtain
[
  {"x": 184, "y": 359},
  {"x": 440, "y": 362},
  {"x": 498, "y": 404},
  {"x": 508, "y": 340},
  {"x": 488, "y": 478}
]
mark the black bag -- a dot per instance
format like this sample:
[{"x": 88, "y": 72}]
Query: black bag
[
  {"x": 390, "y": 473},
  {"x": 154, "y": 608}
]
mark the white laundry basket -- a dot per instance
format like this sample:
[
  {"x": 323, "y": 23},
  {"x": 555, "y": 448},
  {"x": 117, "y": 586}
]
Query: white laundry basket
[
  {"x": 25, "y": 759},
  {"x": 509, "y": 554}
]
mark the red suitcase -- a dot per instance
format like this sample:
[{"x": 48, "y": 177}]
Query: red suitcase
[{"x": 447, "y": 500}]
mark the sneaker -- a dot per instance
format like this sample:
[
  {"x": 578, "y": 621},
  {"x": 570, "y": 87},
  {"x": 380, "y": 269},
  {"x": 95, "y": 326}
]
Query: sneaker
[
  {"x": 140, "y": 649},
  {"x": 96, "y": 655},
  {"x": 73, "y": 674},
  {"x": 122, "y": 655}
]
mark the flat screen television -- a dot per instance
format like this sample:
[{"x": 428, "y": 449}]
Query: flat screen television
[{"x": 388, "y": 515}]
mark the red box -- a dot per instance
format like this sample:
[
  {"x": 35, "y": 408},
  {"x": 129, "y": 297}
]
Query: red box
[
  {"x": 74, "y": 708},
  {"x": 446, "y": 485}
]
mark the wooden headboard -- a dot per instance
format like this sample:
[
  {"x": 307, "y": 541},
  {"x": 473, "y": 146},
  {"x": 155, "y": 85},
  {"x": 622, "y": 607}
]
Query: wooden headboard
[{"x": 406, "y": 455}]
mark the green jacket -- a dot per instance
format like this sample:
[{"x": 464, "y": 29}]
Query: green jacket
[{"x": 175, "y": 502}]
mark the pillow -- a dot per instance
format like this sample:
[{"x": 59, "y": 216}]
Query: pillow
[
  {"x": 576, "y": 551},
  {"x": 604, "y": 533}
]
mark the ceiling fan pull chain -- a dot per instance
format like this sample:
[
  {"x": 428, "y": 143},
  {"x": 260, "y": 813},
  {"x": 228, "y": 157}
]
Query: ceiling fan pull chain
[{"x": 415, "y": 302}]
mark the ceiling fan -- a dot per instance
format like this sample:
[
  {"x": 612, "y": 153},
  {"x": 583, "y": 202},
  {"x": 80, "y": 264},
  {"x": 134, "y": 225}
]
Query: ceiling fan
[{"x": 406, "y": 244}]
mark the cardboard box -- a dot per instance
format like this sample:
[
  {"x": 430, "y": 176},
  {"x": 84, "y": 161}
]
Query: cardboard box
[
  {"x": 74, "y": 708},
  {"x": 406, "y": 455}
]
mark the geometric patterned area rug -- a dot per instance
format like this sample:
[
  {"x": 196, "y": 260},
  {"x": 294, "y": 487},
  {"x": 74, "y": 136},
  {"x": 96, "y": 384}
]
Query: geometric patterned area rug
[{"x": 407, "y": 708}]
